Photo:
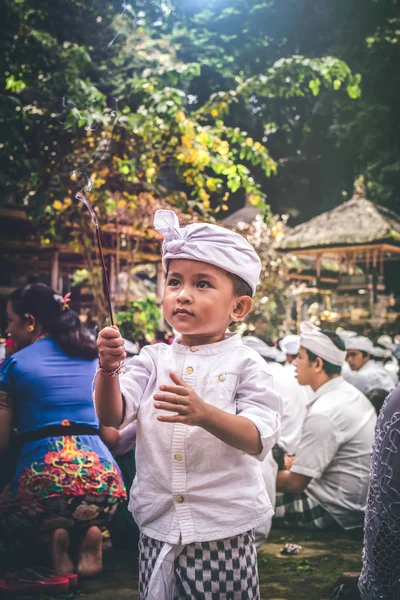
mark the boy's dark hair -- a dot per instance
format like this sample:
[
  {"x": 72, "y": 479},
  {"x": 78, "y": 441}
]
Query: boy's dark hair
[
  {"x": 240, "y": 286},
  {"x": 328, "y": 367}
]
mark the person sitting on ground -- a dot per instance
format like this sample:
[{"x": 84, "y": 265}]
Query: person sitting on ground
[
  {"x": 206, "y": 415},
  {"x": 66, "y": 485},
  {"x": 294, "y": 399},
  {"x": 390, "y": 362},
  {"x": 365, "y": 373},
  {"x": 293, "y": 394},
  {"x": 327, "y": 482}
]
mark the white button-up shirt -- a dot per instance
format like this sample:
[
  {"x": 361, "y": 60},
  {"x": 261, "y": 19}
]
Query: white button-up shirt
[
  {"x": 295, "y": 399},
  {"x": 190, "y": 486},
  {"x": 371, "y": 376},
  {"x": 335, "y": 449}
]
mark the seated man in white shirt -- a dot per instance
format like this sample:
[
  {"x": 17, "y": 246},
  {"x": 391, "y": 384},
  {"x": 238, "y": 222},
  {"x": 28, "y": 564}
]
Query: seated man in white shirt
[
  {"x": 294, "y": 405},
  {"x": 328, "y": 481},
  {"x": 365, "y": 373}
]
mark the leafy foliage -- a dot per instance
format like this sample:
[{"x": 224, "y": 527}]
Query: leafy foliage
[
  {"x": 121, "y": 117},
  {"x": 140, "y": 320}
]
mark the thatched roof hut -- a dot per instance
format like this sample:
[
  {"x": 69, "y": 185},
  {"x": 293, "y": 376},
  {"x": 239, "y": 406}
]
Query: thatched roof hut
[
  {"x": 245, "y": 215},
  {"x": 356, "y": 224}
]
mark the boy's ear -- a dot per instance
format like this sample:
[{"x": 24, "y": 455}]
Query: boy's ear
[{"x": 243, "y": 305}]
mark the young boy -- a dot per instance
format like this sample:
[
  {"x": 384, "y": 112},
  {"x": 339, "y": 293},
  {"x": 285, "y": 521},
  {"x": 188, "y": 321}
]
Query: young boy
[{"x": 206, "y": 412}]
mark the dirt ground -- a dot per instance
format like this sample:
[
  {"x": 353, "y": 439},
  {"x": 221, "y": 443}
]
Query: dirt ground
[{"x": 306, "y": 576}]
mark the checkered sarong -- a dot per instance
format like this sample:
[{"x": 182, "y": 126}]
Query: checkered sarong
[
  {"x": 224, "y": 569},
  {"x": 298, "y": 510}
]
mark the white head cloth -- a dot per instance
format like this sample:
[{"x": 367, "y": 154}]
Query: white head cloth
[
  {"x": 386, "y": 340},
  {"x": 320, "y": 344},
  {"x": 208, "y": 243},
  {"x": 290, "y": 344},
  {"x": 262, "y": 348},
  {"x": 381, "y": 352},
  {"x": 345, "y": 334},
  {"x": 360, "y": 342}
]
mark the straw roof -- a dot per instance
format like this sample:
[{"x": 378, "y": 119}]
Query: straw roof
[
  {"x": 244, "y": 215},
  {"x": 357, "y": 222}
]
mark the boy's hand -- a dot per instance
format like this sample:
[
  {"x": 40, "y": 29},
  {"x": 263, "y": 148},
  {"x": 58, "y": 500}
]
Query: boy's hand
[
  {"x": 111, "y": 348},
  {"x": 183, "y": 400}
]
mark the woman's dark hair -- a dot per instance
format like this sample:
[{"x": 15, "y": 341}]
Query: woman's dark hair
[
  {"x": 60, "y": 323},
  {"x": 328, "y": 367}
]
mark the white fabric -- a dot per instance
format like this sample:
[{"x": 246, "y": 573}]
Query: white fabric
[
  {"x": 386, "y": 340},
  {"x": 335, "y": 449},
  {"x": 393, "y": 370},
  {"x": 320, "y": 344},
  {"x": 190, "y": 486},
  {"x": 295, "y": 401},
  {"x": 290, "y": 344},
  {"x": 131, "y": 347},
  {"x": 269, "y": 470},
  {"x": 360, "y": 342},
  {"x": 371, "y": 376},
  {"x": 380, "y": 352},
  {"x": 263, "y": 349},
  {"x": 293, "y": 394},
  {"x": 127, "y": 440},
  {"x": 345, "y": 334},
  {"x": 161, "y": 584},
  {"x": 208, "y": 243}
]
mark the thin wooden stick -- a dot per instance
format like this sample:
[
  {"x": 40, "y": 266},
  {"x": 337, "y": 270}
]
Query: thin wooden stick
[{"x": 82, "y": 198}]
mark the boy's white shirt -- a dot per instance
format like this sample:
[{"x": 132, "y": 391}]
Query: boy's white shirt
[{"x": 190, "y": 486}]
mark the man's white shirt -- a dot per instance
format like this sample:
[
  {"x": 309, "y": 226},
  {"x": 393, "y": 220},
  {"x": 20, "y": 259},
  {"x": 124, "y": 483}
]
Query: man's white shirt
[
  {"x": 335, "y": 449},
  {"x": 295, "y": 399},
  {"x": 371, "y": 376}
]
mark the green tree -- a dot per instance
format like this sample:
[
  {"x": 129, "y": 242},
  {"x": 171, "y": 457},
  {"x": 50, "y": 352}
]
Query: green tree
[{"x": 161, "y": 143}]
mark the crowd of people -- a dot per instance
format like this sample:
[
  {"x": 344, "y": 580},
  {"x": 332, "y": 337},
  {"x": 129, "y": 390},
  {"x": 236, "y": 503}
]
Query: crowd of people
[{"x": 218, "y": 436}]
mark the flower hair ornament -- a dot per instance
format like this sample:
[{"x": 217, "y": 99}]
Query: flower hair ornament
[{"x": 63, "y": 301}]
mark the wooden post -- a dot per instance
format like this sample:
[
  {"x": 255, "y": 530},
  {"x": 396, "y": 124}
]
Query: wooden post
[
  {"x": 55, "y": 272},
  {"x": 318, "y": 267},
  {"x": 375, "y": 276}
]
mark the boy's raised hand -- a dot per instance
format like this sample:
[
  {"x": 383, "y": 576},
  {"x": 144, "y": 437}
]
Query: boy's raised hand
[
  {"x": 111, "y": 348},
  {"x": 182, "y": 400}
]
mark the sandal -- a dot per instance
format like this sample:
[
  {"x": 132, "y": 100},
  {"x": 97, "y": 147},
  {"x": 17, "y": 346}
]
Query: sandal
[
  {"x": 29, "y": 581},
  {"x": 45, "y": 572}
]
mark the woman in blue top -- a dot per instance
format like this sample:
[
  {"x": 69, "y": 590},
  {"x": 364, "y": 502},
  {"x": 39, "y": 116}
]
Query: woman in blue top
[{"x": 66, "y": 483}]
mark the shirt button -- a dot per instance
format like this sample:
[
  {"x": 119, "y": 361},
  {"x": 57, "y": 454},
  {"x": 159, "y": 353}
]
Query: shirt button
[
  {"x": 222, "y": 377},
  {"x": 193, "y": 349},
  {"x": 180, "y": 499},
  {"x": 178, "y": 456},
  {"x": 189, "y": 370}
]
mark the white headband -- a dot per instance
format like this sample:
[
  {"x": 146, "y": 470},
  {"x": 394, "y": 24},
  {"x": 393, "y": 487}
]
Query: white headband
[
  {"x": 360, "y": 342},
  {"x": 208, "y": 243},
  {"x": 290, "y": 344},
  {"x": 320, "y": 344},
  {"x": 345, "y": 334},
  {"x": 263, "y": 349},
  {"x": 386, "y": 340}
]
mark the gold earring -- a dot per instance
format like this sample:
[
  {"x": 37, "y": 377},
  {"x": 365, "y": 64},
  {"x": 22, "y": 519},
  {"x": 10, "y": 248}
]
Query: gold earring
[{"x": 30, "y": 328}]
